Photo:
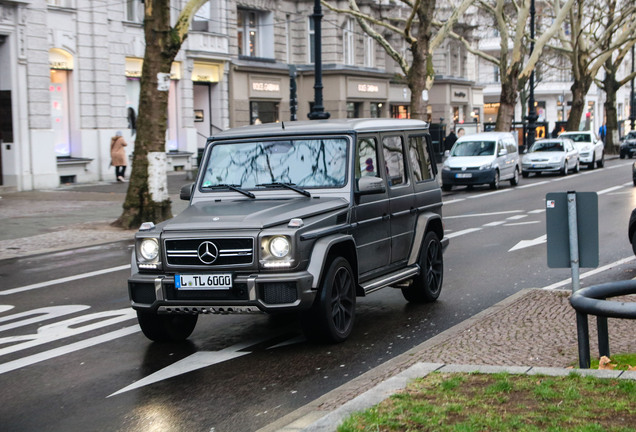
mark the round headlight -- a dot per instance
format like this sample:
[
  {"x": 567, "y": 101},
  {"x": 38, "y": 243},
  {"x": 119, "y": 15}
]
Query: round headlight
[
  {"x": 279, "y": 247},
  {"x": 149, "y": 249}
]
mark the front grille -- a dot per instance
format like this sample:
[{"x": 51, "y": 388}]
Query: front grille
[
  {"x": 221, "y": 252},
  {"x": 463, "y": 169}
]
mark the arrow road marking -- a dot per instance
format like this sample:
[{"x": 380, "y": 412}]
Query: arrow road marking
[
  {"x": 198, "y": 360},
  {"x": 527, "y": 243}
]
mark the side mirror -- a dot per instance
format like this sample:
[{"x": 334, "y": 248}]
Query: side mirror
[
  {"x": 370, "y": 185},
  {"x": 446, "y": 153},
  {"x": 503, "y": 152},
  {"x": 186, "y": 192}
]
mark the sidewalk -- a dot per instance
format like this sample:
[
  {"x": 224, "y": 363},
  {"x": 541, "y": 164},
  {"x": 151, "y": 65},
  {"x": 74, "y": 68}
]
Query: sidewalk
[{"x": 529, "y": 331}]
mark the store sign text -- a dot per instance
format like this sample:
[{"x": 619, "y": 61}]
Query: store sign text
[
  {"x": 266, "y": 86},
  {"x": 368, "y": 88}
]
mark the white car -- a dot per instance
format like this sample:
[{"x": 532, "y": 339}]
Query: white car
[
  {"x": 591, "y": 149},
  {"x": 550, "y": 155}
]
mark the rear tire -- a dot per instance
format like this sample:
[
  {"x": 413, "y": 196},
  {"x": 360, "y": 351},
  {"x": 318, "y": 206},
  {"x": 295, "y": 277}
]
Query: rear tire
[
  {"x": 332, "y": 315},
  {"x": 166, "y": 328},
  {"x": 577, "y": 168},
  {"x": 427, "y": 286}
]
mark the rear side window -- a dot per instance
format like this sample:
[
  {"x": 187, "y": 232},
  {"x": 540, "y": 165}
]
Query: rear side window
[
  {"x": 393, "y": 150},
  {"x": 420, "y": 159},
  {"x": 367, "y": 163}
]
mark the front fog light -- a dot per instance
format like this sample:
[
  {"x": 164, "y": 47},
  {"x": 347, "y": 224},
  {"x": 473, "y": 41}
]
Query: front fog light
[
  {"x": 149, "y": 249},
  {"x": 279, "y": 247}
]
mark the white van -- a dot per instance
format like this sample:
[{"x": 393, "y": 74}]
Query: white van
[{"x": 484, "y": 158}]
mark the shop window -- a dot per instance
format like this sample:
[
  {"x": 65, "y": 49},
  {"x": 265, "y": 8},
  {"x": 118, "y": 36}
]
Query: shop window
[
  {"x": 400, "y": 112},
  {"x": 255, "y": 33},
  {"x": 354, "y": 109},
  {"x": 264, "y": 112},
  {"x": 6, "y": 117},
  {"x": 376, "y": 109},
  {"x": 134, "y": 11}
]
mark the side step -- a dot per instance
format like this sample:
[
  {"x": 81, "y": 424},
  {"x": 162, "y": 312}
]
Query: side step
[{"x": 390, "y": 279}]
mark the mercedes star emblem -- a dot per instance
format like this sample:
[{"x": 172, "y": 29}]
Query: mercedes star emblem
[{"x": 208, "y": 252}]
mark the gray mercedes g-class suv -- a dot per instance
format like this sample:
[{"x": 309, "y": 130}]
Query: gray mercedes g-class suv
[{"x": 299, "y": 216}]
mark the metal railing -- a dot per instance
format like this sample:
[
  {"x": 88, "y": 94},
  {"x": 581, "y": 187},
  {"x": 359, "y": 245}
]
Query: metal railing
[{"x": 593, "y": 301}]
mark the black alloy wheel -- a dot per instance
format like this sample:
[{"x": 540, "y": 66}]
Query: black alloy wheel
[
  {"x": 332, "y": 315},
  {"x": 427, "y": 286}
]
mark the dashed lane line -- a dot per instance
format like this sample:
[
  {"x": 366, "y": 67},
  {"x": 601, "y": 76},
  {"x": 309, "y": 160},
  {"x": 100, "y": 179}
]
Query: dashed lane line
[{"x": 590, "y": 273}]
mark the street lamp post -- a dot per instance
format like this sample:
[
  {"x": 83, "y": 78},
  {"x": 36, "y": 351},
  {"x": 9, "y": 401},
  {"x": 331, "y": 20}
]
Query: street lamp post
[
  {"x": 632, "y": 102},
  {"x": 318, "y": 111},
  {"x": 532, "y": 111}
]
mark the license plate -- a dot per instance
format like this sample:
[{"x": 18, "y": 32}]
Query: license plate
[
  {"x": 203, "y": 282},
  {"x": 538, "y": 166},
  {"x": 463, "y": 175}
]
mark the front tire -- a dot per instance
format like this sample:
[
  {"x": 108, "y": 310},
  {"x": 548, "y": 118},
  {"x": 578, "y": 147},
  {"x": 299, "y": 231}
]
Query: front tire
[
  {"x": 564, "y": 170},
  {"x": 525, "y": 174},
  {"x": 592, "y": 165},
  {"x": 601, "y": 163},
  {"x": 427, "y": 286},
  {"x": 577, "y": 167},
  {"x": 166, "y": 328},
  {"x": 495, "y": 183},
  {"x": 332, "y": 315},
  {"x": 514, "y": 181}
]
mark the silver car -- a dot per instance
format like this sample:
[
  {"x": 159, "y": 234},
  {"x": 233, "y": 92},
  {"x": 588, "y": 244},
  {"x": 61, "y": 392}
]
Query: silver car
[{"x": 551, "y": 155}]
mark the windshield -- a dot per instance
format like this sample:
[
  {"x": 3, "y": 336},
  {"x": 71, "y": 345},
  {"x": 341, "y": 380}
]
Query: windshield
[
  {"x": 474, "y": 148},
  {"x": 547, "y": 146},
  {"x": 308, "y": 163},
  {"x": 579, "y": 137}
]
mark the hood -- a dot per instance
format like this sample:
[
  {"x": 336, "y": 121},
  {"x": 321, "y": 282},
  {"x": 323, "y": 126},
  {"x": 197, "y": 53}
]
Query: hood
[
  {"x": 543, "y": 155},
  {"x": 250, "y": 214},
  {"x": 468, "y": 161}
]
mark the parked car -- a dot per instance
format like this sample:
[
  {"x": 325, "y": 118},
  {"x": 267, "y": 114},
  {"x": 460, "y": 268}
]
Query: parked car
[
  {"x": 591, "y": 149},
  {"x": 634, "y": 173},
  {"x": 628, "y": 145},
  {"x": 550, "y": 155},
  {"x": 631, "y": 230},
  {"x": 300, "y": 216},
  {"x": 484, "y": 158}
]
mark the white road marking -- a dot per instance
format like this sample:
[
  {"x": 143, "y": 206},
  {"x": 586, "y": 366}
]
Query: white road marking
[
  {"x": 590, "y": 273},
  {"x": 536, "y": 211},
  {"x": 198, "y": 360},
  {"x": 482, "y": 214},
  {"x": 532, "y": 184},
  {"x": 496, "y": 223},
  {"x": 454, "y": 201},
  {"x": 521, "y": 223},
  {"x": 64, "y": 280},
  {"x": 56, "y": 352},
  {"x": 463, "y": 232},
  {"x": 38, "y": 315},
  {"x": 527, "y": 243},
  {"x": 612, "y": 189},
  {"x": 516, "y": 217}
]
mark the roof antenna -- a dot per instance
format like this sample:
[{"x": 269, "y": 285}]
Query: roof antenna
[{"x": 283, "y": 123}]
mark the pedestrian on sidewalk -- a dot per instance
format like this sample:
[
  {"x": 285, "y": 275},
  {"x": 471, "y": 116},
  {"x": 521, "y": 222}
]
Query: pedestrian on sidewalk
[{"x": 118, "y": 155}]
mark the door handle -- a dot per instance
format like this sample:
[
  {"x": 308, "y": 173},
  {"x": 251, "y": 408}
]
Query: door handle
[{"x": 385, "y": 217}]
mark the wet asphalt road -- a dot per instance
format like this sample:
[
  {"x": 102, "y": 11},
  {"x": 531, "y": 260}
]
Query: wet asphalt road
[{"x": 73, "y": 359}]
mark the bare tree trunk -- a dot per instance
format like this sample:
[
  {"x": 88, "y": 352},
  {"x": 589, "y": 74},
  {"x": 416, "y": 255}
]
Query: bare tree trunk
[
  {"x": 149, "y": 201},
  {"x": 611, "y": 115},
  {"x": 507, "y": 102},
  {"x": 579, "y": 90}
]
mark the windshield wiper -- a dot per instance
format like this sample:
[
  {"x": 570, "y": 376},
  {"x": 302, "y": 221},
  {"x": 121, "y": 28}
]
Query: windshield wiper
[
  {"x": 290, "y": 186},
  {"x": 231, "y": 187}
]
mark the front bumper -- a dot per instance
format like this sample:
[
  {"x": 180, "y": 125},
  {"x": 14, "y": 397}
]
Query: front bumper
[
  {"x": 541, "y": 167},
  {"x": 586, "y": 157},
  {"x": 249, "y": 293},
  {"x": 470, "y": 176}
]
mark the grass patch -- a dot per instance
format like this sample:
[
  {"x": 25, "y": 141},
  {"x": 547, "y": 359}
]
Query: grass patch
[
  {"x": 622, "y": 361},
  {"x": 503, "y": 402}
]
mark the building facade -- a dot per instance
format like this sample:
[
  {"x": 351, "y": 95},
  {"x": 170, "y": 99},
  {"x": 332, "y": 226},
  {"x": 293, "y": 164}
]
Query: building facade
[{"x": 71, "y": 73}]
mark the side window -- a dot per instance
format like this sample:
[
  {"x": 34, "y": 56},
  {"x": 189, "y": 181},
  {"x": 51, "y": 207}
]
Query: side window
[
  {"x": 393, "y": 150},
  {"x": 420, "y": 159},
  {"x": 367, "y": 164}
]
